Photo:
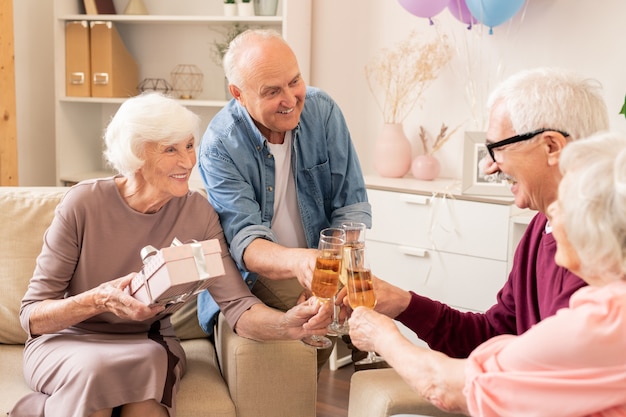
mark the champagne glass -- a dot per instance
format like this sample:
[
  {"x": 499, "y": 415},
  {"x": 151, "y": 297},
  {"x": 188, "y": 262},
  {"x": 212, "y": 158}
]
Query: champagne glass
[
  {"x": 360, "y": 288},
  {"x": 355, "y": 238},
  {"x": 326, "y": 275}
]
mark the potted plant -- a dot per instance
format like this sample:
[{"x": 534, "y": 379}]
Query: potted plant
[
  {"x": 220, "y": 46},
  {"x": 245, "y": 8},
  {"x": 230, "y": 8}
]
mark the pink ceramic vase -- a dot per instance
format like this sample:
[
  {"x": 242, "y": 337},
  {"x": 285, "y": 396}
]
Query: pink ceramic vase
[
  {"x": 392, "y": 151},
  {"x": 425, "y": 167}
]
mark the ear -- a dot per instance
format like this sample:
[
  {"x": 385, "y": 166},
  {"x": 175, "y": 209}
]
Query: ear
[
  {"x": 235, "y": 92},
  {"x": 554, "y": 142}
]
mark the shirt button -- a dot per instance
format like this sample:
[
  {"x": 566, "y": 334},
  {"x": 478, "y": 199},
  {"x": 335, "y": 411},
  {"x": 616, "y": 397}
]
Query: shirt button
[
  {"x": 249, "y": 282},
  {"x": 269, "y": 155},
  {"x": 270, "y": 188}
]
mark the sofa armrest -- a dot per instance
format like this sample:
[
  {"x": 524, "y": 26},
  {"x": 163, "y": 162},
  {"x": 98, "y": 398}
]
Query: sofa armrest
[
  {"x": 274, "y": 378},
  {"x": 383, "y": 393}
]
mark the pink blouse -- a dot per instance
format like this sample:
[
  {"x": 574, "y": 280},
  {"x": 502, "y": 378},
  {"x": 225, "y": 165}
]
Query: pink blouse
[{"x": 570, "y": 364}]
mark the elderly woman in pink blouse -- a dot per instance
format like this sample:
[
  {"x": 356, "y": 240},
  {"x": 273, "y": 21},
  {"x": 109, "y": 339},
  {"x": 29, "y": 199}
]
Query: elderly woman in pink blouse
[{"x": 571, "y": 364}]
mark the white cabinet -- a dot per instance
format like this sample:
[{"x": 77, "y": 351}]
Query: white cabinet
[
  {"x": 175, "y": 32},
  {"x": 429, "y": 238}
]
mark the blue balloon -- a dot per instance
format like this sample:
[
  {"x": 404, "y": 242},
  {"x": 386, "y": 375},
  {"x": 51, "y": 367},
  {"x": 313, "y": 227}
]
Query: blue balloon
[{"x": 493, "y": 12}]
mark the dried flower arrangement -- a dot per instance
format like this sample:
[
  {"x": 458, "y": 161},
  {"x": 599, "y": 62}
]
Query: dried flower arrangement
[
  {"x": 404, "y": 72},
  {"x": 439, "y": 141}
]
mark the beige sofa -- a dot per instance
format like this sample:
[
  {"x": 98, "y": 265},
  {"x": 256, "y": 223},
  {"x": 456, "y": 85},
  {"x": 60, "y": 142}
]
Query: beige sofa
[
  {"x": 234, "y": 378},
  {"x": 382, "y": 393}
]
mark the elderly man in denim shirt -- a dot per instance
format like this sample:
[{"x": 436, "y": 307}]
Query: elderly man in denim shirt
[{"x": 279, "y": 165}]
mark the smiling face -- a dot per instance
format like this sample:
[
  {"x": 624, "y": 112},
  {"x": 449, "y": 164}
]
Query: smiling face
[
  {"x": 273, "y": 92},
  {"x": 566, "y": 256},
  {"x": 167, "y": 168},
  {"x": 531, "y": 165}
]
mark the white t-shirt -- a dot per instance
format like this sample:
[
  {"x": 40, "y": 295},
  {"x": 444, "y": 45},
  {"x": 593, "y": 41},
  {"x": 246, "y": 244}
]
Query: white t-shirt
[{"x": 287, "y": 222}]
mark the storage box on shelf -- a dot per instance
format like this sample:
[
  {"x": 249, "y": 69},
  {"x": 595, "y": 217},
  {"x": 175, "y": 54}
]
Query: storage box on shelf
[
  {"x": 430, "y": 238},
  {"x": 180, "y": 32}
]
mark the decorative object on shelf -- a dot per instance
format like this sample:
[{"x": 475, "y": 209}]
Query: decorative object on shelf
[
  {"x": 230, "y": 8},
  {"x": 392, "y": 151},
  {"x": 245, "y": 8},
  {"x": 426, "y": 166},
  {"x": 154, "y": 84},
  {"x": 397, "y": 78},
  {"x": 475, "y": 182},
  {"x": 187, "y": 80},
  {"x": 136, "y": 7},
  {"x": 265, "y": 7}
]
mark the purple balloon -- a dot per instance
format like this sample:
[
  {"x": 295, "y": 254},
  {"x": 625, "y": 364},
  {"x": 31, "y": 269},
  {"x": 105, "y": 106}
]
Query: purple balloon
[
  {"x": 424, "y": 8},
  {"x": 459, "y": 10}
]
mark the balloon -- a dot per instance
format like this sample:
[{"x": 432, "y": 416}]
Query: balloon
[
  {"x": 458, "y": 9},
  {"x": 493, "y": 12},
  {"x": 424, "y": 8}
]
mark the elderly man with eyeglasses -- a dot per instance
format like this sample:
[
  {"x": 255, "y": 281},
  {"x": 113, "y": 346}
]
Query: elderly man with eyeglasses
[{"x": 533, "y": 115}]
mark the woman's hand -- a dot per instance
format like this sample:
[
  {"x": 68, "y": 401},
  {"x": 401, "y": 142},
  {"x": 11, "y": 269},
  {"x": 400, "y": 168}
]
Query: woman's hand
[
  {"x": 114, "y": 297},
  {"x": 369, "y": 330}
]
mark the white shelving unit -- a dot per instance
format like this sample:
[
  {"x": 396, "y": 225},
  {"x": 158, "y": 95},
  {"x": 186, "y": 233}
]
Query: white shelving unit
[{"x": 175, "y": 32}]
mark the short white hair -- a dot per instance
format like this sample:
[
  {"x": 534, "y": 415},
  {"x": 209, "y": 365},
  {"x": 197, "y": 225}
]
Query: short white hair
[
  {"x": 593, "y": 202},
  {"x": 149, "y": 117}
]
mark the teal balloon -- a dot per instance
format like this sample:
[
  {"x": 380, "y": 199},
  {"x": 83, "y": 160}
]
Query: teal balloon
[{"x": 493, "y": 12}]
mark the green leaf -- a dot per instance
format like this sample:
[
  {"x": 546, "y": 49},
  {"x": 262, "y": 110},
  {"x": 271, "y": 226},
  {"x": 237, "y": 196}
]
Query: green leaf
[{"x": 623, "y": 111}]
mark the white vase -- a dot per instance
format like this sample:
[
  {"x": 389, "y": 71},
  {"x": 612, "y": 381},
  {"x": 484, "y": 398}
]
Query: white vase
[
  {"x": 230, "y": 9},
  {"x": 392, "y": 151},
  {"x": 245, "y": 9}
]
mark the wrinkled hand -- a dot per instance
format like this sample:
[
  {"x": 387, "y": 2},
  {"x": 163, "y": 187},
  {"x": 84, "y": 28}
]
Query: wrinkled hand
[
  {"x": 308, "y": 318},
  {"x": 390, "y": 300},
  {"x": 369, "y": 329},
  {"x": 113, "y": 297}
]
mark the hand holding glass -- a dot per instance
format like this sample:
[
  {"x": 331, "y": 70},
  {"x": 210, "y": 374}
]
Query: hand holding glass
[
  {"x": 326, "y": 275},
  {"x": 360, "y": 288},
  {"x": 355, "y": 237}
]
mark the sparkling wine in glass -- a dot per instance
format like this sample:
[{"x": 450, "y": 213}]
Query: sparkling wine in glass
[
  {"x": 355, "y": 238},
  {"x": 360, "y": 289},
  {"x": 326, "y": 275}
]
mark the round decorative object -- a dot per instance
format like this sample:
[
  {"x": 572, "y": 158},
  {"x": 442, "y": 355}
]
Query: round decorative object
[
  {"x": 187, "y": 80},
  {"x": 425, "y": 167},
  {"x": 154, "y": 84},
  {"x": 392, "y": 151}
]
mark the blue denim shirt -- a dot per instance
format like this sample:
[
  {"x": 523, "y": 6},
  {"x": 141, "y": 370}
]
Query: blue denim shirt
[{"x": 237, "y": 169}]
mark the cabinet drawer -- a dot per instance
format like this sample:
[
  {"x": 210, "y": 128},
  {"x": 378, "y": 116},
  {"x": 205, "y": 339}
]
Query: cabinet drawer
[
  {"x": 442, "y": 224},
  {"x": 461, "y": 281}
]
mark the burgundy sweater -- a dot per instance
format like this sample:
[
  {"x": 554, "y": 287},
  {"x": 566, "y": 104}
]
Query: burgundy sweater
[{"x": 537, "y": 287}]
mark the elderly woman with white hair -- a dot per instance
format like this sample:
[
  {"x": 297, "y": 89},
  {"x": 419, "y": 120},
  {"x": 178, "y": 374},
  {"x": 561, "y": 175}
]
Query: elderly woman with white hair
[
  {"x": 93, "y": 350},
  {"x": 570, "y": 364}
]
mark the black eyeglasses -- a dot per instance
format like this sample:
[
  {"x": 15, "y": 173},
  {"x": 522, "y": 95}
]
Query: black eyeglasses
[{"x": 519, "y": 138}]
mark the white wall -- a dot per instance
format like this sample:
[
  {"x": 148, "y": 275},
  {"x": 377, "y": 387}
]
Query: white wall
[{"x": 585, "y": 35}]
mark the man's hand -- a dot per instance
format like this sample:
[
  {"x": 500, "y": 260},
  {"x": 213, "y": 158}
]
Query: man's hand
[{"x": 307, "y": 318}]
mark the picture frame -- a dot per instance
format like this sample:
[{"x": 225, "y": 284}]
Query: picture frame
[{"x": 475, "y": 182}]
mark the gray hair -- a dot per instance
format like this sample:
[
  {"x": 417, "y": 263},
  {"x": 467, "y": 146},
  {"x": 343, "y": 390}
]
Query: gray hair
[
  {"x": 232, "y": 60},
  {"x": 149, "y": 117},
  {"x": 553, "y": 98},
  {"x": 594, "y": 202}
]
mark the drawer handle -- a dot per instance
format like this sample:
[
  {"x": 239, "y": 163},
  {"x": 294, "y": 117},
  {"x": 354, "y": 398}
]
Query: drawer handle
[
  {"x": 422, "y": 200},
  {"x": 417, "y": 252}
]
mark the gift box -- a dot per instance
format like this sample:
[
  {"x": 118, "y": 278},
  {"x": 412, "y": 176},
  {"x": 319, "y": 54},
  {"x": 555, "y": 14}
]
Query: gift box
[{"x": 172, "y": 275}]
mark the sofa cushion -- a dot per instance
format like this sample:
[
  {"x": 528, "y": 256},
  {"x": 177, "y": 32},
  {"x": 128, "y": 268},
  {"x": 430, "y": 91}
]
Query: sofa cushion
[
  {"x": 25, "y": 214},
  {"x": 185, "y": 321}
]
